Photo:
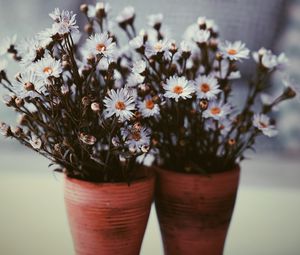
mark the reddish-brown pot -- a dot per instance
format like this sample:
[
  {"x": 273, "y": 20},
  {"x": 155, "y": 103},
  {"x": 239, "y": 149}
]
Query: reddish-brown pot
[
  {"x": 194, "y": 211},
  {"x": 108, "y": 218}
]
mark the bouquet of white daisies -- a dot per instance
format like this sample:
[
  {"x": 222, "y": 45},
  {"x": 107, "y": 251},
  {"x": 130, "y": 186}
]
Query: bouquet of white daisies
[{"x": 97, "y": 108}]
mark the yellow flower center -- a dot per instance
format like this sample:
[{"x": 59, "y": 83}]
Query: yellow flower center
[
  {"x": 158, "y": 46},
  {"x": 232, "y": 52},
  {"x": 149, "y": 104},
  {"x": 136, "y": 136},
  {"x": 204, "y": 87},
  {"x": 100, "y": 47},
  {"x": 215, "y": 110},
  {"x": 120, "y": 105},
  {"x": 178, "y": 89},
  {"x": 48, "y": 70}
]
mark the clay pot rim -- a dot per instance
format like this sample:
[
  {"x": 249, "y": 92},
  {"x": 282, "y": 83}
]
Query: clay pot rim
[
  {"x": 149, "y": 175},
  {"x": 236, "y": 168}
]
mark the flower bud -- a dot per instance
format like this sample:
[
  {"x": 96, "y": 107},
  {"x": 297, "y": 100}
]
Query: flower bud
[
  {"x": 29, "y": 86},
  {"x": 22, "y": 119},
  {"x": 289, "y": 93},
  {"x": 231, "y": 142},
  {"x": 19, "y": 102},
  {"x": 203, "y": 104},
  {"x": 88, "y": 28},
  {"x": 100, "y": 10},
  {"x": 17, "y": 131},
  {"x": 84, "y": 8},
  {"x": 95, "y": 107}
]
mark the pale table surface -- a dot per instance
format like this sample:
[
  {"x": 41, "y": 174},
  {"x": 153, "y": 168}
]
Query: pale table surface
[{"x": 33, "y": 219}]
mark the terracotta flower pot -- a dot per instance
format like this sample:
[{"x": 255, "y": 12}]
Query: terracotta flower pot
[
  {"x": 194, "y": 211},
  {"x": 108, "y": 218}
]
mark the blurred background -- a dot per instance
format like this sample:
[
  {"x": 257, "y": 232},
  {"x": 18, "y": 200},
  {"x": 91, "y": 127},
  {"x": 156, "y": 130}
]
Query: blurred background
[{"x": 32, "y": 216}]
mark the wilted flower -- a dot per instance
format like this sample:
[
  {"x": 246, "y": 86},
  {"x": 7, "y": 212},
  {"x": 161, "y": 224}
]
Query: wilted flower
[{"x": 135, "y": 139}]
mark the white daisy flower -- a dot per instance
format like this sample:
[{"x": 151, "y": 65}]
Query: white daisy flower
[
  {"x": 119, "y": 103},
  {"x": 48, "y": 67},
  {"x": 269, "y": 60},
  {"x": 178, "y": 87},
  {"x": 45, "y": 37},
  {"x": 154, "y": 47},
  {"x": 136, "y": 138},
  {"x": 101, "y": 44},
  {"x": 127, "y": 14},
  {"x": 3, "y": 64},
  {"x": 217, "y": 110},
  {"x": 27, "y": 83},
  {"x": 207, "y": 87},
  {"x": 36, "y": 143},
  {"x": 28, "y": 49},
  {"x": 139, "y": 66},
  {"x": 148, "y": 108},
  {"x": 134, "y": 79},
  {"x": 7, "y": 43},
  {"x": 65, "y": 21},
  {"x": 155, "y": 20},
  {"x": 137, "y": 42},
  {"x": 262, "y": 122},
  {"x": 234, "y": 51},
  {"x": 201, "y": 36}
]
